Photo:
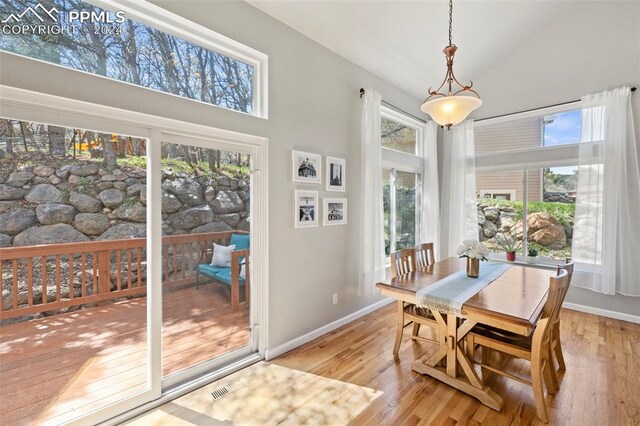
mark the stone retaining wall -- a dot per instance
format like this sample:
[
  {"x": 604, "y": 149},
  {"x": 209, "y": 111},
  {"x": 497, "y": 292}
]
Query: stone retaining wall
[{"x": 85, "y": 202}]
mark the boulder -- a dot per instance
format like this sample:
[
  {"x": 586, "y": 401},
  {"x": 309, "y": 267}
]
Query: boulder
[
  {"x": 92, "y": 223},
  {"x": 489, "y": 229},
  {"x": 5, "y": 240},
  {"x": 191, "y": 218},
  {"x": 209, "y": 194},
  {"x": 230, "y": 218},
  {"x": 234, "y": 185},
  {"x": 112, "y": 198},
  {"x": 170, "y": 204},
  {"x": 84, "y": 169},
  {"x": 244, "y": 195},
  {"x": 38, "y": 180},
  {"x": 54, "y": 180},
  {"x": 135, "y": 189},
  {"x": 5, "y": 206},
  {"x": 212, "y": 227},
  {"x": 545, "y": 230},
  {"x": 188, "y": 191},
  {"x": 19, "y": 179},
  {"x": 481, "y": 236},
  {"x": 133, "y": 213},
  {"x": 85, "y": 203},
  {"x": 44, "y": 171},
  {"x": 507, "y": 220},
  {"x": 63, "y": 172},
  {"x": 131, "y": 181},
  {"x": 224, "y": 181},
  {"x": 227, "y": 201},
  {"x": 103, "y": 186},
  {"x": 49, "y": 234},
  {"x": 245, "y": 224},
  {"x": 124, "y": 231},
  {"x": 121, "y": 186},
  {"x": 8, "y": 192},
  {"x": 44, "y": 193},
  {"x": 108, "y": 178},
  {"x": 481, "y": 218},
  {"x": 17, "y": 220},
  {"x": 491, "y": 213},
  {"x": 52, "y": 213}
]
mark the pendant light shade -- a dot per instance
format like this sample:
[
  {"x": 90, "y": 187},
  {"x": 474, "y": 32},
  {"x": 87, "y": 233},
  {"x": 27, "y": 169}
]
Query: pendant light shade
[
  {"x": 450, "y": 110},
  {"x": 453, "y": 106}
]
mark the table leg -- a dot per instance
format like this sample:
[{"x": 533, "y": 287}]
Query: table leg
[{"x": 452, "y": 352}]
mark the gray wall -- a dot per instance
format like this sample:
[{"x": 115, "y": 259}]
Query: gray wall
[
  {"x": 593, "y": 47},
  {"x": 313, "y": 105}
]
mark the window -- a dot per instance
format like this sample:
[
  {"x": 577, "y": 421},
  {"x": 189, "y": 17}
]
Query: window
[
  {"x": 398, "y": 136},
  {"x": 527, "y": 199},
  {"x": 118, "y": 44},
  {"x": 401, "y": 180}
]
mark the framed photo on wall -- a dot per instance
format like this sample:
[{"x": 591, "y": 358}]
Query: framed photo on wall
[
  {"x": 335, "y": 174},
  {"x": 335, "y": 211},
  {"x": 306, "y": 167},
  {"x": 306, "y": 209}
]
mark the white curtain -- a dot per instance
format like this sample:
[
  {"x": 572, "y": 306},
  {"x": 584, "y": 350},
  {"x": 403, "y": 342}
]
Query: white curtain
[
  {"x": 459, "y": 201},
  {"x": 372, "y": 266},
  {"x": 606, "y": 235},
  {"x": 430, "y": 219}
]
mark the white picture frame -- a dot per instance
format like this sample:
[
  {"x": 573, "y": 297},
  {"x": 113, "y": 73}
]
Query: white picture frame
[
  {"x": 307, "y": 209},
  {"x": 335, "y": 174},
  {"x": 334, "y": 211},
  {"x": 306, "y": 167}
]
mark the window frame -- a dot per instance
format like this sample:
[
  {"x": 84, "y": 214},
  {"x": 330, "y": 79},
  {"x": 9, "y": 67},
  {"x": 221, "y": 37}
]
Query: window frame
[
  {"x": 530, "y": 159},
  {"x": 399, "y": 161}
]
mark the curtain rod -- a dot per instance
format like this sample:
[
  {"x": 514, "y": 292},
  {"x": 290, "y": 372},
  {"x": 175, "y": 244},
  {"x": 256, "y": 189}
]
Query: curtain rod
[
  {"x": 633, "y": 89},
  {"x": 422, "y": 120}
]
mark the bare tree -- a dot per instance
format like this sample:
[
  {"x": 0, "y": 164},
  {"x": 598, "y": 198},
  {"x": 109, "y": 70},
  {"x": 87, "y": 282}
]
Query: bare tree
[
  {"x": 108, "y": 152},
  {"x": 7, "y": 132},
  {"x": 56, "y": 140}
]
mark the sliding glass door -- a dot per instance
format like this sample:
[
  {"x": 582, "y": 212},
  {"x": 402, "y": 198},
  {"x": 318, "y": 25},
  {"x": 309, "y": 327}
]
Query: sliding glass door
[
  {"x": 206, "y": 256},
  {"x": 129, "y": 256}
]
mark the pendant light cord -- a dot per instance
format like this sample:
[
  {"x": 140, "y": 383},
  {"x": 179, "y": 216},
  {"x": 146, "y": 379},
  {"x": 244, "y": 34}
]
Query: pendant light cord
[{"x": 450, "y": 19}]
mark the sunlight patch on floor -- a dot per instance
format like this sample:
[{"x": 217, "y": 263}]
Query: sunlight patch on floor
[{"x": 272, "y": 395}]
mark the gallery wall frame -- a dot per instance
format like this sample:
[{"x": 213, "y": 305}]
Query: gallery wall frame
[
  {"x": 306, "y": 209},
  {"x": 306, "y": 167},
  {"x": 334, "y": 211},
  {"x": 335, "y": 174}
]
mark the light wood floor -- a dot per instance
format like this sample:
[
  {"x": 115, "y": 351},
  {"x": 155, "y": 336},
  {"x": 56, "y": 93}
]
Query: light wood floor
[
  {"x": 601, "y": 385},
  {"x": 56, "y": 368}
]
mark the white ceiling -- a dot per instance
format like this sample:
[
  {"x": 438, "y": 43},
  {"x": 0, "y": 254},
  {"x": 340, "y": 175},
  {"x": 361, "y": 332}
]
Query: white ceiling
[{"x": 402, "y": 41}]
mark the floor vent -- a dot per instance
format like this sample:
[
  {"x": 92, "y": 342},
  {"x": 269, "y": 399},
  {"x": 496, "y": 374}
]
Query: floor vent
[{"x": 228, "y": 388}]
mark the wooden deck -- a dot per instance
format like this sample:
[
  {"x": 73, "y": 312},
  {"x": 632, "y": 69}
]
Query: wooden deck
[{"x": 59, "y": 367}]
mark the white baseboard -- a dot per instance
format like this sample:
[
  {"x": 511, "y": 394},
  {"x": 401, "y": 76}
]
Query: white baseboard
[
  {"x": 602, "y": 312},
  {"x": 299, "y": 341}
]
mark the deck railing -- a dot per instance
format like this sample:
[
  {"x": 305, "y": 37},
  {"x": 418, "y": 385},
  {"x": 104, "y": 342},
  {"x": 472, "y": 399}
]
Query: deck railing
[{"x": 49, "y": 277}]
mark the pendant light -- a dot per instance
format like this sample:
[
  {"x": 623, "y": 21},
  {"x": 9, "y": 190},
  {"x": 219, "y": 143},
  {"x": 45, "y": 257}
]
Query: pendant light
[{"x": 451, "y": 108}]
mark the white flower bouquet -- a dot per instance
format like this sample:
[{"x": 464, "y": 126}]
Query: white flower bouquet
[{"x": 473, "y": 249}]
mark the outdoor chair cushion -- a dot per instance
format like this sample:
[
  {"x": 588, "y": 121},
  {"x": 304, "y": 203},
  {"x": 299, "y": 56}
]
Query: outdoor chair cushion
[
  {"x": 241, "y": 241},
  {"x": 211, "y": 270},
  {"x": 225, "y": 277}
]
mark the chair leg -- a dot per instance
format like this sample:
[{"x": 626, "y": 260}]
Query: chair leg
[
  {"x": 416, "y": 328},
  {"x": 538, "y": 390},
  {"x": 557, "y": 348},
  {"x": 550, "y": 378},
  {"x": 399, "y": 327}
]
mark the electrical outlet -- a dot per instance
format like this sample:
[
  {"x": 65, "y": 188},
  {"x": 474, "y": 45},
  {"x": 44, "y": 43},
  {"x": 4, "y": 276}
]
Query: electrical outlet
[{"x": 335, "y": 298}]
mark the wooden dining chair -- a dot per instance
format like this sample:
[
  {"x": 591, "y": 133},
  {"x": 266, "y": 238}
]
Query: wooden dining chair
[
  {"x": 535, "y": 348},
  {"x": 425, "y": 255},
  {"x": 404, "y": 262},
  {"x": 556, "y": 344}
]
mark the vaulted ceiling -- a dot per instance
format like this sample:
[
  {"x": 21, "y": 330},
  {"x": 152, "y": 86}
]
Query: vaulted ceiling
[{"x": 402, "y": 41}]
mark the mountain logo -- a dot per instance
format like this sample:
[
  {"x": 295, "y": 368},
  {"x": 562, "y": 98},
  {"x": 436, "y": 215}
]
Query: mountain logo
[{"x": 39, "y": 11}]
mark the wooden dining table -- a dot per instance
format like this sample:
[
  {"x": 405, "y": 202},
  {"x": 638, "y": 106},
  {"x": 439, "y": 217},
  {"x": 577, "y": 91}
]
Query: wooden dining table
[{"x": 512, "y": 302}]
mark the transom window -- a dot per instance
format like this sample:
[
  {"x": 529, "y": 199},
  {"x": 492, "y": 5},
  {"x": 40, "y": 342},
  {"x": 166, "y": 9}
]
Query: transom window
[{"x": 118, "y": 44}]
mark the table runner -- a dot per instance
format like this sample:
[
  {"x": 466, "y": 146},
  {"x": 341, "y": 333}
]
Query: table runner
[{"x": 450, "y": 293}]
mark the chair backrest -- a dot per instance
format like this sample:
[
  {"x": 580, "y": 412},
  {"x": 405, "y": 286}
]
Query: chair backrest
[
  {"x": 403, "y": 262},
  {"x": 425, "y": 255},
  {"x": 558, "y": 287}
]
